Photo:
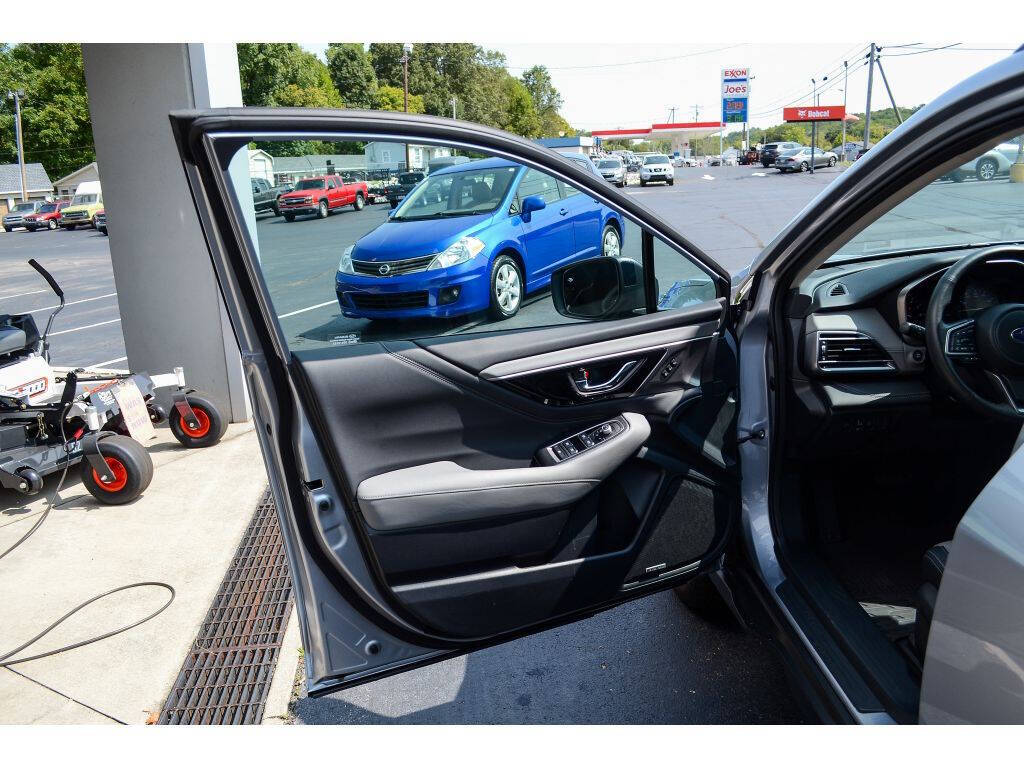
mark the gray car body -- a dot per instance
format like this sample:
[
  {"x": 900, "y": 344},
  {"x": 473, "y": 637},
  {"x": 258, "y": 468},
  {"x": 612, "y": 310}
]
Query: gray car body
[{"x": 968, "y": 118}]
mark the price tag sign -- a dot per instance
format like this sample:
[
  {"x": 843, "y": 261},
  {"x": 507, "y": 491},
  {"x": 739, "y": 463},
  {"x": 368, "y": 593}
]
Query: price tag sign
[{"x": 133, "y": 410}]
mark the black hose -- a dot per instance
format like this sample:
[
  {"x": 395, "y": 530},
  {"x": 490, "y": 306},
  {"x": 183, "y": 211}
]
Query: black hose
[{"x": 5, "y": 659}]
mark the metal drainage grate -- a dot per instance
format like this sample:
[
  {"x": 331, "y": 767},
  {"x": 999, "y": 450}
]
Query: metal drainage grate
[{"x": 226, "y": 676}]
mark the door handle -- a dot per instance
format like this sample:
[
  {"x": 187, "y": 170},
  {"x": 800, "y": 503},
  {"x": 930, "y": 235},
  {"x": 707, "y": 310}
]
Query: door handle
[
  {"x": 584, "y": 387},
  {"x": 562, "y": 212}
]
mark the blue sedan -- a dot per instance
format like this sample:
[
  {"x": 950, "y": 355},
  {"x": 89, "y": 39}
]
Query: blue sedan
[{"x": 473, "y": 237}]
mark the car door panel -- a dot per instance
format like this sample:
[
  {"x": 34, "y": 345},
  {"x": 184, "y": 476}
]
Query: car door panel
[{"x": 392, "y": 461}]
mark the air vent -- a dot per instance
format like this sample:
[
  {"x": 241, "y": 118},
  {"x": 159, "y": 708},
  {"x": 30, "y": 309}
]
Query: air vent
[
  {"x": 837, "y": 290},
  {"x": 851, "y": 352}
]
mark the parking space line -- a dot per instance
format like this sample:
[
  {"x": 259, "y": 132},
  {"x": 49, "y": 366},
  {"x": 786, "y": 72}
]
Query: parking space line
[
  {"x": 68, "y": 304},
  {"x": 105, "y": 363},
  {"x": 306, "y": 309},
  {"x": 84, "y": 327},
  {"x": 19, "y": 295}
]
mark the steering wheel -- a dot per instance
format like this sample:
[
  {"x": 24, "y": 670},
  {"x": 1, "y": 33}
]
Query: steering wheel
[{"x": 991, "y": 342}]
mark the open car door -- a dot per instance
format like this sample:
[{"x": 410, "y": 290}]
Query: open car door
[{"x": 479, "y": 419}]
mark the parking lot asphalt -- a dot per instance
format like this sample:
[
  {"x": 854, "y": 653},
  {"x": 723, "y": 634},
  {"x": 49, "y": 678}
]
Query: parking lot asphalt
[{"x": 88, "y": 331}]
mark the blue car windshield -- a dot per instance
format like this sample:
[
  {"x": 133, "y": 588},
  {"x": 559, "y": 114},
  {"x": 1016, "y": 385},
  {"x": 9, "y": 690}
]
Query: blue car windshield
[{"x": 462, "y": 193}]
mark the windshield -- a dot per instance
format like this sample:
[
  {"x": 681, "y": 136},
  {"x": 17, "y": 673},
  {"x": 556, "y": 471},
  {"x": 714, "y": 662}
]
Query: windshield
[
  {"x": 24, "y": 207},
  {"x": 461, "y": 193},
  {"x": 609, "y": 164},
  {"x": 655, "y": 159},
  {"x": 48, "y": 208},
  {"x": 791, "y": 152},
  {"x": 972, "y": 204},
  {"x": 84, "y": 199},
  {"x": 310, "y": 184}
]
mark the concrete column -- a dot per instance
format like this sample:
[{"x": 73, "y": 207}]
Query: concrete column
[{"x": 171, "y": 309}]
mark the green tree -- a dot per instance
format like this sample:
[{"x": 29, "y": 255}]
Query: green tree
[
  {"x": 391, "y": 98},
  {"x": 519, "y": 114},
  {"x": 55, "y": 110},
  {"x": 352, "y": 73},
  {"x": 282, "y": 74},
  {"x": 546, "y": 97}
]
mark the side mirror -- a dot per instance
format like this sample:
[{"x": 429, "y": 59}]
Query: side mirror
[
  {"x": 603, "y": 287},
  {"x": 531, "y": 204}
]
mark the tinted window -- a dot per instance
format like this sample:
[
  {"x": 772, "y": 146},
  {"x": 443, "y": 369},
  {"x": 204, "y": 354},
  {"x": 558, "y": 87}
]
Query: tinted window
[
  {"x": 656, "y": 159},
  {"x": 310, "y": 184},
  {"x": 536, "y": 183},
  {"x": 458, "y": 193}
]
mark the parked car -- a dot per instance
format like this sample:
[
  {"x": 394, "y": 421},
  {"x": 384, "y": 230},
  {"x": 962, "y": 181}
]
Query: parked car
[
  {"x": 265, "y": 195},
  {"x": 320, "y": 195},
  {"x": 472, "y": 237},
  {"x": 16, "y": 216},
  {"x": 405, "y": 183},
  {"x": 47, "y": 217},
  {"x": 656, "y": 168},
  {"x": 613, "y": 170},
  {"x": 101, "y": 221},
  {"x": 800, "y": 160},
  {"x": 750, "y": 157},
  {"x": 814, "y": 449},
  {"x": 684, "y": 161},
  {"x": 770, "y": 152},
  {"x": 713, "y": 160},
  {"x": 995, "y": 162},
  {"x": 86, "y": 203}
]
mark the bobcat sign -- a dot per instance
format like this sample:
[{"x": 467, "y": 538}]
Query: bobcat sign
[{"x": 812, "y": 114}]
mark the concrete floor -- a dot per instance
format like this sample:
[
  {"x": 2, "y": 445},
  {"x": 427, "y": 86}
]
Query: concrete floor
[{"x": 183, "y": 531}]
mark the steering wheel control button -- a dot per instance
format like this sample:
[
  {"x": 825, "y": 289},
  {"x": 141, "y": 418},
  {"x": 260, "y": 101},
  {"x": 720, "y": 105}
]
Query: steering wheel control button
[{"x": 1000, "y": 334}]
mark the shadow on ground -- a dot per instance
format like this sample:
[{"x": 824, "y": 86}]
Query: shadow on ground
[{"x": 650, "y": 661}]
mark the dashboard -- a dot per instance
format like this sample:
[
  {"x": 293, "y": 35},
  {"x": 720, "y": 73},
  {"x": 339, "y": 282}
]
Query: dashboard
[
  {"x": 863, "y": 321},
  {"x": 1000, "y": 281}
]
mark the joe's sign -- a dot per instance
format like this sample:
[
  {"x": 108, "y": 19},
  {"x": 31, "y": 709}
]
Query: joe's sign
[{"x": 810, "y": 114}]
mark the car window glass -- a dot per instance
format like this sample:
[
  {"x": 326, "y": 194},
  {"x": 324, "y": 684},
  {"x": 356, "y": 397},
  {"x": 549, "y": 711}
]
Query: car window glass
[
  {"x": 536, "y": 183},
  {"x": 427, "y": 267},
  {"x": 972, "y": 203}
]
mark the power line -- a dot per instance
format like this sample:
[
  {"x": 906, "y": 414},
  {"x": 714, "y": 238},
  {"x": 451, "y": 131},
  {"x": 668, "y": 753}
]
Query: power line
[{"x": 850, "y": 54}]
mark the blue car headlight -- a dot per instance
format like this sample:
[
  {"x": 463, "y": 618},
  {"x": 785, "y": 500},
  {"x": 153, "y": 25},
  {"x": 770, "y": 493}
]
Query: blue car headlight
[
  {"x": 345, "y": 265},
  {"x": 459, "y": 252}
]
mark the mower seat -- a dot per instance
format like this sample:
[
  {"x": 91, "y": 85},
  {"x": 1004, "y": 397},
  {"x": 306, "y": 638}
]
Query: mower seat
[{"x": 12, "y": 339}]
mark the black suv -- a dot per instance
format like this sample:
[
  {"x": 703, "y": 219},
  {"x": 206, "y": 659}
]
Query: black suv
[{"x": 771, "y": 152}]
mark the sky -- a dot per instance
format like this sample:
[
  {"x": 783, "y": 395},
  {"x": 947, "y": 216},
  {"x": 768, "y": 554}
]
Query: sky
[{"x": 632, "y": 85}]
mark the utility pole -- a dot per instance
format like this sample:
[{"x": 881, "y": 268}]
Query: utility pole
[
  {"x": 672, "y": 114},
  {"x": 453, "y": 107},
  {"x": 696, "y": 113},
  {"x": 406, "y": 50},
  {"x": 19, "y": 139},
  {"x": 888, "y": 90},
  {"x": 846, "y": 80},
  {"x": 814, "y": 124},
  {"x": 867, "y": 109}
]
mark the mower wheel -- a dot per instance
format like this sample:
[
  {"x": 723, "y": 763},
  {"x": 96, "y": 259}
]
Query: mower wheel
[
  {"x": 131, "y": 471},
  {"x": 211, "y": 424}
]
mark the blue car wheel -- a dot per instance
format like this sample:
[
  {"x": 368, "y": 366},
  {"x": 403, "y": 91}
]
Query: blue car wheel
[
  {"x": 611, "y": 243},
  {"x": 507, "y": 288}
]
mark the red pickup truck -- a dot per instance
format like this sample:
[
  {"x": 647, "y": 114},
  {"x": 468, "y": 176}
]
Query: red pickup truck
[{"x": 320, "y": 195}]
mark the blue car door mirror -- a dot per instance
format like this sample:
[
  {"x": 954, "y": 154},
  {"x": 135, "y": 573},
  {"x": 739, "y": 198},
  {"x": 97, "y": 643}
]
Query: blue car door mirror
[
  {"x": 531, "y": 204},
  {"x": 599, "y": 288}
]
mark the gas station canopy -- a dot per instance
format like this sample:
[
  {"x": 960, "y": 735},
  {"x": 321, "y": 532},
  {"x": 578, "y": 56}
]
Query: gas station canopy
[{"x": 679, "y": 133}]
